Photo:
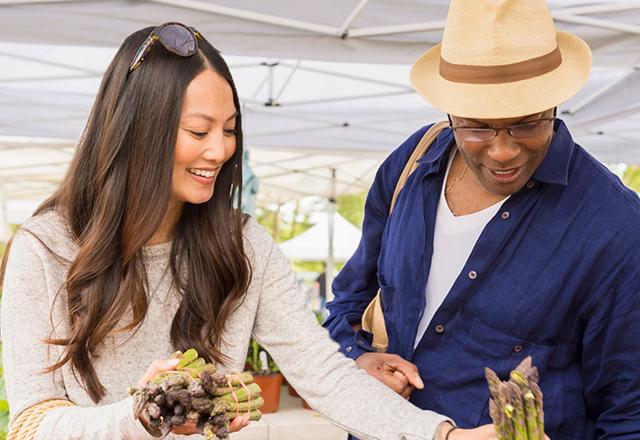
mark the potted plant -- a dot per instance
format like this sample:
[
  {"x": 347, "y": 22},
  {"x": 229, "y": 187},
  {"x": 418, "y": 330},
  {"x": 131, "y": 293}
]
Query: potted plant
[{"x": 266, "y": 375}]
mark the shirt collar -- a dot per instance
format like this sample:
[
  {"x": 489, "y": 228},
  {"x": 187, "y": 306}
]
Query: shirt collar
[
  {"x": 553, "y": 169},
  {"x": 555, "y": 166},
  {"x": 436, "y": 156}
]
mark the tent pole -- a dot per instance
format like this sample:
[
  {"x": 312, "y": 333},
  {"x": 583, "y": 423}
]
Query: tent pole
[
  {"x": 276, "y": 223},
  {"x": 599, "y": 92},
  {"x": 344, "y": 29},
  {"x": 250, "y": 15},
  {"x": 331, "y": 211}
]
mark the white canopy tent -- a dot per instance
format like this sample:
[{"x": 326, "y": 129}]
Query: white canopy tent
[
  {"x": 312, "y": 245},
  {"x": 323, "y": 83}
]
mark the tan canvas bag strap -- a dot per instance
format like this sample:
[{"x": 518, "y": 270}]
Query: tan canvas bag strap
[
  {"x": 418, "y": 152},
  {"x": 373, "y": 317}
]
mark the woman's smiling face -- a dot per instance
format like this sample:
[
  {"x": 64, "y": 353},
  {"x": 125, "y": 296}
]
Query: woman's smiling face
[{"x": 206, "y": 137}]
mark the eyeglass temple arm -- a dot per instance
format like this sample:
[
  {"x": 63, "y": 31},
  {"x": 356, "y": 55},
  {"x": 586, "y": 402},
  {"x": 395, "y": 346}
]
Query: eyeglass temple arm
[{"x": 142, "y": 52}]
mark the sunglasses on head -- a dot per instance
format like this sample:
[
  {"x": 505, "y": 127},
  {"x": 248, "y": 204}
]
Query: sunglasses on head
[{"x": 177, "y": 38}]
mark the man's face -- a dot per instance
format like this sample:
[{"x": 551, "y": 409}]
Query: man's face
[{"x": 504, "y": 164}]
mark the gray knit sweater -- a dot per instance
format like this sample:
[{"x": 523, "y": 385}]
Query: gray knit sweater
[{"x": 273, "y": 312}]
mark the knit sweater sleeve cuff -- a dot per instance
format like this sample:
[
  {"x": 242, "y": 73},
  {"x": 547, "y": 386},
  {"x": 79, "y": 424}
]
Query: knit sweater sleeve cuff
[
  {"x": 135, "y": 424},
  {"x": 446, "y": 424}
]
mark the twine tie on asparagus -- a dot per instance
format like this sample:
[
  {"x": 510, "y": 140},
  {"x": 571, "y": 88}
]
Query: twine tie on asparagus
[{"x": 235, "y": 396}]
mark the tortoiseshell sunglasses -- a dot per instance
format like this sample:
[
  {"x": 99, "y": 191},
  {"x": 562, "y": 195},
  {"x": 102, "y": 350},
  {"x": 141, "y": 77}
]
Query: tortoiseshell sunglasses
[{"x": 177, "y": 38}]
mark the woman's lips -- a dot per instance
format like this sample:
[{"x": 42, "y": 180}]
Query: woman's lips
[{"x": 203, "y": 180}]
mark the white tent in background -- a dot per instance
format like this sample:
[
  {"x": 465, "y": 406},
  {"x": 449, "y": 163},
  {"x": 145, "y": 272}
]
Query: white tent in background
[{"x": 313, "y": 244}]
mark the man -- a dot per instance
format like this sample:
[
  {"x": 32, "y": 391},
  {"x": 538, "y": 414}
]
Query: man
[{"x": 509, "y": 240}]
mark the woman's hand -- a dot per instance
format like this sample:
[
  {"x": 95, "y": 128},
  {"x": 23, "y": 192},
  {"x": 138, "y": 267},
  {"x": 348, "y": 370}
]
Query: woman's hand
[
  {"x": 158, "y": 366},
  {"x": 189, "y": 428}
]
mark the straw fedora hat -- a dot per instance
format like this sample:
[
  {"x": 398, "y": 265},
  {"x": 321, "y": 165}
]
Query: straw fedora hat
[{"x": 501, "y": 59}]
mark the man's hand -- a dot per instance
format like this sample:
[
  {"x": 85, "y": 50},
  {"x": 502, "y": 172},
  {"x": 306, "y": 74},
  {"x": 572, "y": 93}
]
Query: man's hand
[
  {"x": 398, "y": 374},
  {"x": 486, "y": 432}
]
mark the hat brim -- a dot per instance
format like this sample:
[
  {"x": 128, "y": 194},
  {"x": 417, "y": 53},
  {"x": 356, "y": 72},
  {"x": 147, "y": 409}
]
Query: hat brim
[{"x": 506, "y": 100}]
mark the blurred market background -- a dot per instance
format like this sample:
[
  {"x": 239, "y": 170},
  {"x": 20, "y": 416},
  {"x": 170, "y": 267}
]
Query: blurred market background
[{"x": 325, "y": 97}]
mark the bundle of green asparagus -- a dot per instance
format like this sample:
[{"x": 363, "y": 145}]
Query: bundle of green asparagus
[
  {"x": 195, "y": 392},
  {"x": 516, "y": 405}
]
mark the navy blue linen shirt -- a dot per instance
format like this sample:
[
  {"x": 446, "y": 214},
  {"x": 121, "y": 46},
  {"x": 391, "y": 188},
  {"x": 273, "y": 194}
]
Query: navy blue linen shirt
[{"x": 555, "y": 275}]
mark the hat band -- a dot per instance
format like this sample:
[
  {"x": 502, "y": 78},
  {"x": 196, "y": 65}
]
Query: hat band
[{"x": 504, "y": 73}]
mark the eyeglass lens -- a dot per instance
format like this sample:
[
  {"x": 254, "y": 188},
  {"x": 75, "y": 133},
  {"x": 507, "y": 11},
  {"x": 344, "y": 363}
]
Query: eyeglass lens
[
  {"x": 178, "y": 39},
  {"x": 520, "y": 131}
]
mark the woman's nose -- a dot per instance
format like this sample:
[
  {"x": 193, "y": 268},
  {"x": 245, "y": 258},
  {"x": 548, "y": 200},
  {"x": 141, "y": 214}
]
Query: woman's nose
[{"x": 217, "y": 149}]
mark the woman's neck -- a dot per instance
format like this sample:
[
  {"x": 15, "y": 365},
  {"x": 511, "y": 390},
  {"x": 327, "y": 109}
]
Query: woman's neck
[{"x": 164, "y": 233}]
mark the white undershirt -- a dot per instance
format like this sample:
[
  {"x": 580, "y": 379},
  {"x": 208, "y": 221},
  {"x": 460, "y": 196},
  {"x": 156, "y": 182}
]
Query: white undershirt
[{"x": 453, "y": 241}]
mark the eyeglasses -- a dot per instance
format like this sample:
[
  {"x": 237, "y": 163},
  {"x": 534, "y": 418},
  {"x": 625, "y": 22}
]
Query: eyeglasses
[
  {"x": 177, "y": 38},
  {"x": 524, "y": 130}
]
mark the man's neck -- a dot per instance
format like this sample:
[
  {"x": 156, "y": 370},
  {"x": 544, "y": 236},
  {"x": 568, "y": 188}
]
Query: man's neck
[{"x": 466, "y": 195}]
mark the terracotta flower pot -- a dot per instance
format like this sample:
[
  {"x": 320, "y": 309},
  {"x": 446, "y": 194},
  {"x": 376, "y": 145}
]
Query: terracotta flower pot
[
  {"x": 270, "y": 385},
  {"x": 292, "y": 391}
]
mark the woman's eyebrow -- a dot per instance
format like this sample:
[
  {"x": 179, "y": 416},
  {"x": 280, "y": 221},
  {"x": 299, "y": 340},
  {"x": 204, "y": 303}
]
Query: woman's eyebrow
[{"x": 209, "y": 118}]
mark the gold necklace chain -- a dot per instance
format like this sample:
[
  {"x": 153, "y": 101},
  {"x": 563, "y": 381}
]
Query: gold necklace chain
[{"x": 447, "y": 189}]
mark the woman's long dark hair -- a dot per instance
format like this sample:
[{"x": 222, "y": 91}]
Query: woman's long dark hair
[{"x": 115, "y": 197}]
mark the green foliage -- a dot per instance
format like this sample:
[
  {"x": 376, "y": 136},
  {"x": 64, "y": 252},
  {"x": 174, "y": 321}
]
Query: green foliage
[
  {"x": 631, "y": 177},
  {"x": 286, "y": 229},
  {"x": 266, "y": 218},
  {"x": 253, "y": 358},
  {"x": 351, "y": 207},
  {"x": 4, "y": 405}
]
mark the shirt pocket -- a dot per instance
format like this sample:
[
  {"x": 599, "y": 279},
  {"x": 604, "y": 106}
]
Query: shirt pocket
[
  {"x": 482, "y": 346},
  {"x": 503, "y": 352},
  {"x": 560, "y": 379}
]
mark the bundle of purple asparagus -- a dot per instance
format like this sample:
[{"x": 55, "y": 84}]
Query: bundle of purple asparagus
[
  {"x": 195, "y": 392},
  {"x": 516, "y": 405}
]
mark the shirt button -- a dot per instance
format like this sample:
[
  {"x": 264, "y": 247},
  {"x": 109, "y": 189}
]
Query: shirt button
[
  {"x": 505, "y": 215},
  {"x": 518, "y": 348},
  {"x": 440, "y": 329},
  {"x": 349, "y": 349},
  {"x": 531, "y": 184},
  {"x": 473, "y": 275}
]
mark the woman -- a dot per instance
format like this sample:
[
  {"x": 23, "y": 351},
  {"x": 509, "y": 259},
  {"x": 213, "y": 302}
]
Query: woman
[{"x": 143, "y": 251}]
